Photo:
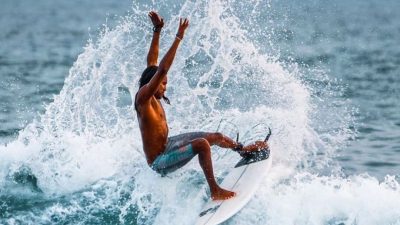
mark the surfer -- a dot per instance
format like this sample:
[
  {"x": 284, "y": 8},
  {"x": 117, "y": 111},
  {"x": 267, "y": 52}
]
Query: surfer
[{"x": 166, "y": 154}]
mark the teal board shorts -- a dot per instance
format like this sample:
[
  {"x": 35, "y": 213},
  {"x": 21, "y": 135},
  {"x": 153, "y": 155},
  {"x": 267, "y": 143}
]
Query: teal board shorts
[{"x": 179, "y": 152}]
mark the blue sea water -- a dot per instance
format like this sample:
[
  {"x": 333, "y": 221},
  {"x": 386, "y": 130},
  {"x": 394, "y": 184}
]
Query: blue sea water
[{"x": 324, "y": 75}]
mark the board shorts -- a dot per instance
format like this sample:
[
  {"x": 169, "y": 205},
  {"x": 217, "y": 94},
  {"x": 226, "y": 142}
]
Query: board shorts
[{"x": 179, "y": 152}]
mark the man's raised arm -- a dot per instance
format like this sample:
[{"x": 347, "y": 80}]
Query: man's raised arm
[
  {"x": 158, "y": 23},
  {"x": 151, "y": 88}
]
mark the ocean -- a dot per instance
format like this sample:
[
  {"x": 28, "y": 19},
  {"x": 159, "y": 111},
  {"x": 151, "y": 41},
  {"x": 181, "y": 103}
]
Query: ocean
[{"x": 323, "y": 75}]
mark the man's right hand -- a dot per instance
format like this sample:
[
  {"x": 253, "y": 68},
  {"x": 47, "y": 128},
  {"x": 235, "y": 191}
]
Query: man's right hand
[
  {"x": 157, "y": 20},
  {"x": 183, "y": 24}
]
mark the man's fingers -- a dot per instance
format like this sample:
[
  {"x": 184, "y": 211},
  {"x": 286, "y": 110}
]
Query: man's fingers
[
  {"x": 154, "y": 15},
  {"x": 183, "y": 22},
  {"x": 151, "y": 15}
]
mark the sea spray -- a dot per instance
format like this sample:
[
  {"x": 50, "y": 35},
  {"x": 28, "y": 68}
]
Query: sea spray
[{"x": 86, "y": 151}]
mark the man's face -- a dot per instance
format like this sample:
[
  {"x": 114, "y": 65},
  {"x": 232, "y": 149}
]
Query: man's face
[{"x": 162, "y": 88}]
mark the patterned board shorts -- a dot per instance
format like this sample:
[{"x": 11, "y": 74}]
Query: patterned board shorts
[{"x": 179, "y": 152}]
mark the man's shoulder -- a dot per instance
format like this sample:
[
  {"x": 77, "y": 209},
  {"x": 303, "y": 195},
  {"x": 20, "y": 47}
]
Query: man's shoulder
[
  {"x": 144, "y": 104},
  {"x": 139, "y": 99}
]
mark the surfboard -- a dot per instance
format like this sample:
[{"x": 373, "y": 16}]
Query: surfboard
[{"x": 244, "y": 179}]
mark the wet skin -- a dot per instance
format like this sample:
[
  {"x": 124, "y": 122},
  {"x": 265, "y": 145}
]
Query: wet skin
[{"x": 151, "y": 115}]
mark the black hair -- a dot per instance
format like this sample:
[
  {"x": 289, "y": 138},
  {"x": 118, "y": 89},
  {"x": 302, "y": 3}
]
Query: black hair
[{"x": 147, "y": 74}]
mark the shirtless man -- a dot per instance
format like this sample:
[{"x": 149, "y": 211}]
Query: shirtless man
[{"x": 166, "y": 154}]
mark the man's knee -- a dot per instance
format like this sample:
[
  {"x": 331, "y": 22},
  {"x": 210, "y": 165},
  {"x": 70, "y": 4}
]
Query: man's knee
[
  {"x": 219, "y": 136},
  {"x": 200, "y": 145},
  {"x": 215, "y": 138}
]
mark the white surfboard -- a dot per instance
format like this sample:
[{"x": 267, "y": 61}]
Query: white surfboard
[{"x": 244, "y": 179}]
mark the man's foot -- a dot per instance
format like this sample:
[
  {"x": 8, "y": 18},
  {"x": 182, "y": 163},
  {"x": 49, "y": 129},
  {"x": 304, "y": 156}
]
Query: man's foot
[
  {"x": 258, "y": 145},
  {"x": 222, "y": 194}
]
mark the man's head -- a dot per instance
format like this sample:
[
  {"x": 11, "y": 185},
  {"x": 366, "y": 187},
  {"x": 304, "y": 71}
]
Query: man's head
[{"x": 147, "y": 74}]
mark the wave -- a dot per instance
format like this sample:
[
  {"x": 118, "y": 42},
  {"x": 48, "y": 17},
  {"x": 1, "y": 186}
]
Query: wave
[{"x": 86, "y": 154}]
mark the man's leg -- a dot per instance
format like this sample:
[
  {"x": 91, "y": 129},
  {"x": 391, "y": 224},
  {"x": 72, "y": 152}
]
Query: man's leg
[
  {"x": 225, "y": 142},
  {"x": 216, "y": 138},
  {"x": 202, "y": 147},
  {"x": 220, "y": 140}
]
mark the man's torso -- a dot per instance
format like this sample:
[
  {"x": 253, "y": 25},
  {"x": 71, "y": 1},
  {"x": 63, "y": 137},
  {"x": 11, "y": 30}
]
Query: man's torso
[{"x": 153, "y": 127}]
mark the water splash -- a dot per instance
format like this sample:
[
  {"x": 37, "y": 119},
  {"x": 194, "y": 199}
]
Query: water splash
[{"x": 85, "y": 151}]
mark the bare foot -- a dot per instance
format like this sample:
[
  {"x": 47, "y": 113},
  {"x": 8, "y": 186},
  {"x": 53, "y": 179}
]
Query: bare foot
[
  {"x": 256, "y": 146},
  {"x": 222, "y": 194}
]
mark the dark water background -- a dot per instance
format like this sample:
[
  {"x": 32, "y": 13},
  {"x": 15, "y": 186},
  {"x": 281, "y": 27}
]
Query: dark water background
[
  {"x": 39, "y": 43},
  {"x": 357, "y": 44}
]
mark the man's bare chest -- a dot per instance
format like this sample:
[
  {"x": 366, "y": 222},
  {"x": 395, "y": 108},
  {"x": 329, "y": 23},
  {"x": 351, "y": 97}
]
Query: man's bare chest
[{"x": 157, "y": 109}]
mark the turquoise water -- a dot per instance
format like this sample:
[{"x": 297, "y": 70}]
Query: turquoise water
[{"x": 323, "y": 75}]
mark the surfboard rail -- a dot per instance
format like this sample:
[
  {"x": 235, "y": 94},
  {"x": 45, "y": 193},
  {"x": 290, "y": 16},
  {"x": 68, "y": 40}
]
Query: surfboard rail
[{"x": 244, "y": 180}]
